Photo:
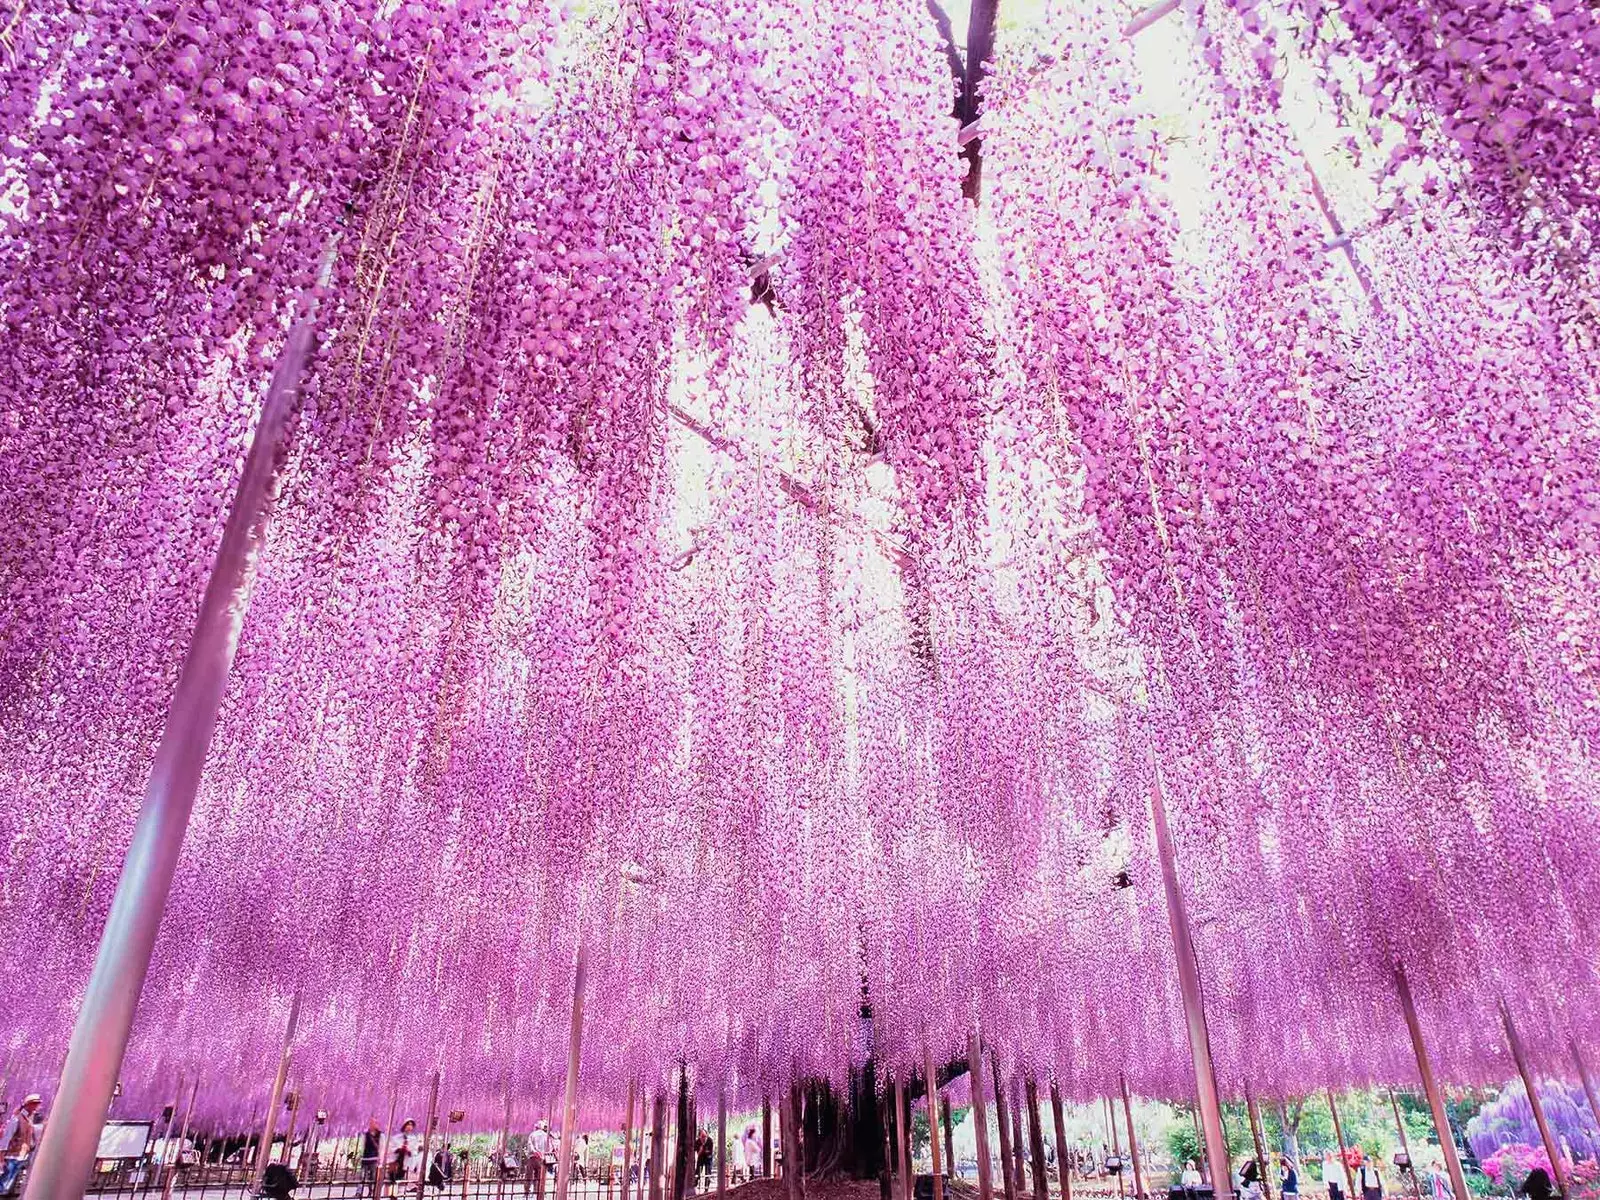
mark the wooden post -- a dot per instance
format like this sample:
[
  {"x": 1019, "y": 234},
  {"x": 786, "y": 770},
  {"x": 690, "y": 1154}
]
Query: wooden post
[
  {"x": 380, "y": 1186},
  {"x": 1430, "y": 1086},
  {"x": 427, "y": 1133},
  {"x": 1133, "y": 1143},
  {"x": 627, "y": 1141},
  {"x": 1041, "y": 1182},
  {"x": 1583, "y": 1077},
  {"x": 934, "y": 1108},
  {"x": 980, "y": 1116},
  {"x": 569, "y": 1105},
  {"x": 1255, "y": 1136},
  {"x": 1344, "y": 1157},
  {"x": 722, "y": 1142},
  {"x": 1062, "y": 1157},
  {"x": 1551, "y": 1146},
  {"x": 1002, "y": 1116}
]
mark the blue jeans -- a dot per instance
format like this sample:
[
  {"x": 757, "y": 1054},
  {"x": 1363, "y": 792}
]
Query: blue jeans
[{"x": 8, "y": 1176}]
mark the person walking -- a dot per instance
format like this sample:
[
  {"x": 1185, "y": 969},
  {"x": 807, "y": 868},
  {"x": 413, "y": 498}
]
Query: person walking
[
  {"x": 402, "y": 1152},
  {"x": 22, "y": 1135},
  {"x": 1250, "y": 1180},
  {"x": 1537, "y": 1185},
  {"x": 702, "y": 1160},
  {"x": 1288, "y": 1178},
  {"x": 752, "y": 1151},
  {"x": 1331, "y": 1170},
  {"x": 1439, "y": 1186},
  {"x": 371, "y": 1143},
  {"x": 1369, "y": 1179}
]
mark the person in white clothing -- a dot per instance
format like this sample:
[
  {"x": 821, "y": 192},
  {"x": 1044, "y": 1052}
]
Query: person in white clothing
[
  {"x": 752, "y": 1151},
  {"x": 1190, "y": 1177},
  {"x": 542, "y": 1150}
]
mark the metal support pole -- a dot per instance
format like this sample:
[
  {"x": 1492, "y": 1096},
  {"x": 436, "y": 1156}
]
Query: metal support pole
[
  {"x": 1017, "y": 1144},
  {"x": 427, "y": 1135},
  {"x": 1551, "y": 1146},
  {"x": 627, "y": 1141},
  {"x": 1260, "y": 1143},
  {"x": 1430, "y": 1086},
  {"x": 1344, "y": 1157},
  {"x": 722, "y": 1142},
  {"x": 105, "y": 1018},
  {"x": 1205, "y": 1079},
  {"x": 1583, "y": 1077},
  {"x": 980, "y": 1116},
  {"x": 505, "y": 1137},
  {"x": 275, "y": 1098},
  {"x": 65, "y": 1158},
  {"x": 569, "y": 1104},
  {"x": 1002, "y": 1116},
  {"x": 933, "y": 1121},
  {"x": 1063, "y": 1168},
  {"x": 1133, "y": 1143},
  {"x": 902, "y": 1138}
]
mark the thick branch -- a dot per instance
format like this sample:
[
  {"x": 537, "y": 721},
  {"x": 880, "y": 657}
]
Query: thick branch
[{"x": 980, "y": 49}]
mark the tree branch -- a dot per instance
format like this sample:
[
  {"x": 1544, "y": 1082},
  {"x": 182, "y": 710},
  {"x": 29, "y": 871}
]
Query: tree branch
[{"x": 980, "y": 49}]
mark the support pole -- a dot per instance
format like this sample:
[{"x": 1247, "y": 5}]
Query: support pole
[
  {"x": 274, "y": 1099},
  {"x": 66, "y": 1154},
  {"x": 1205, "y": 1079},
  {"x": 949, "y": 1139},
  {"x": 1133, "y": 1144},
  {"x": 1041, "y": 1181},
  {"x": 658, "y": 1145},
  {"x": 1430, "y": 1086},
  {"x": 1255, "y": 1135},
  {"x": 1551, "y": 1146},
  {"x": 1583, "y": 1077},
  {"x": 934, "y": 1108},
  {"x": 902, "y": 1138},
  {"x": 627, "y": 1141},
  {"x": 1002, "y": 1116},
  {"x": 1344, "y": 1156},
  {"x": 569, "y": 1104},
  {"x": 980, "y": 1116},
  {"x": 722, "y": 1142},
  {"x": 1017, "y": 1144},
  {"x": 789, "y": 1131},
  {"x": 505, "y": 1137},
  {"x": 427, "y": 1134},
  {"x": 1405, "y": 1144},
  {"x": 766, "y": 1137},
  {"x": 1063, "y": 1167}
]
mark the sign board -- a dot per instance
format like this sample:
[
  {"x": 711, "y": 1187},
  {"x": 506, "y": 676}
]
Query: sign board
[{"x": 124, "y": 1139}]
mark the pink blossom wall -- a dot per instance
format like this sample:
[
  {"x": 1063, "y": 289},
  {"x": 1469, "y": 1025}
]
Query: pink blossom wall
[{"x": 767, "y": 651}]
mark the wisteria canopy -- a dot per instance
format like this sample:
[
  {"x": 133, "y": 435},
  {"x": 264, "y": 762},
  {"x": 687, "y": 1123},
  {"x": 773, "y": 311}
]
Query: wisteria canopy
[{"x": 715, "y": 530}]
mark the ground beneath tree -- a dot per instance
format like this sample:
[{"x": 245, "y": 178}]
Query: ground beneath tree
[{"x": 839, "y": 1188}]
